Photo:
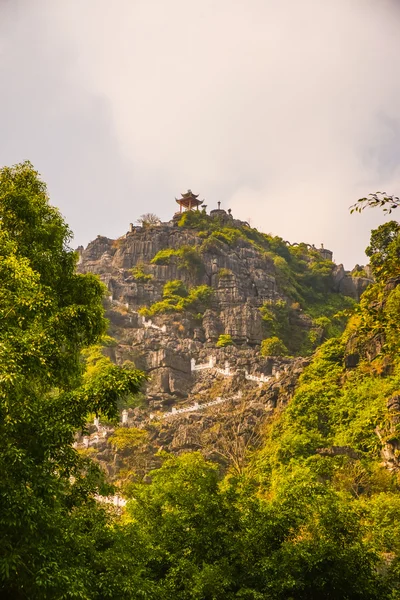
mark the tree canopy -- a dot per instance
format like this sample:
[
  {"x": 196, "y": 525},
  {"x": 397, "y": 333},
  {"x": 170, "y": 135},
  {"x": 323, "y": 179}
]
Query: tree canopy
[{"x": 48, "y": 313}]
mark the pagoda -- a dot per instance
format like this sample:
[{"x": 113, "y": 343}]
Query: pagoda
[{"x": 189, "y": 201}]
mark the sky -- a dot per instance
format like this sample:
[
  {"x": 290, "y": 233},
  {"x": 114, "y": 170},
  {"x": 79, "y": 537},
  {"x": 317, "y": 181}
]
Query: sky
[{"x": 286, "y": 112}]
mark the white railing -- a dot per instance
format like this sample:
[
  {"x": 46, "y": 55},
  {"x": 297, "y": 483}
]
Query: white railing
[
  {"x": 212, "y": 361},
  {"x": 260, "y": 379},
  {"x": 147, "y": 324},
  {"x": 208, "y": 365},
  {"x": 226, "y": 371},
  {"x": 196, "y": 406}
]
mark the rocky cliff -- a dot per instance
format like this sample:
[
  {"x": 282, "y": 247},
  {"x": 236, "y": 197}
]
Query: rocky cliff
[{"x": 178, "y": 348}]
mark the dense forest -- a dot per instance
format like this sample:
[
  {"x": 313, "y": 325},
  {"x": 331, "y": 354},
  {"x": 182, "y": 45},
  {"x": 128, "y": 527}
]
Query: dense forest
[{"x": 314, "y": 512}]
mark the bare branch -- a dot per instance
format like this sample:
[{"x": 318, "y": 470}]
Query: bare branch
[{"x": 148, "y": 220}]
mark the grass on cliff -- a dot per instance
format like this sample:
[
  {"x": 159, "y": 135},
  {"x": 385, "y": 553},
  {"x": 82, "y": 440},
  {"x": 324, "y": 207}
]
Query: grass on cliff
[
  {"x": 139, "y": 274},
  {"x": 224, "y": 340},
  {"x": 188, "y": 259},
  {"x": 301, "y": 331},
  {"x": 177, "y": 298},
  {"x": 302, "y": 274}
]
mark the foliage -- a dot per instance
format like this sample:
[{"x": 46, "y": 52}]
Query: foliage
[
  {"x": 224, "y": 273},
  {"x": 379, "y": 199},
  {"x": 140, "y": 275},
  {"x": 223, "y": 235},
  {"x": 224, "y": 340},
  {"x": 98, "y": 366},
  {"x": 338, "y": 423},
  {"x": 273, "y": 346},
  {"x": 359, "y": 272},
  {"x": 161, "y": 307},
  {"x": 312, "y": 514},
  {"x": 376, "y": 320},
  {"x": 177, "y": 298},
  {"x": 128, "y": 438},
  {"x": 225, "y": 541},
  {"x": 163, "y": 257},
  {"x": 384, "y": 250},
  {"x": 304, "y": 274},
  {"x": 302, "y": 331},
  {"x": 194, "y": 219},
  {"x": 48, "y": 313},
  {"x": 199, "y": 299},
  {"x": 188, "y": 258},
  {"x": 175, "y": 288}
]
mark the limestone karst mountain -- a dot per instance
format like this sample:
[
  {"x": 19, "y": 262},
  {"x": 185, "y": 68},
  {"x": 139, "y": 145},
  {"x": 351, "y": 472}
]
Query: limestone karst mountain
[{"x": 190, "y": 302}]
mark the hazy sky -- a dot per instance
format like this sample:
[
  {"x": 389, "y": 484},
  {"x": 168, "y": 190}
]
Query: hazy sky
[{"x": 286, "y": 111}]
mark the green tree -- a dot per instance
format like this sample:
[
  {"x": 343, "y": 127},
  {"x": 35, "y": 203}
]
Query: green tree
[
  {"x": 48, "y": 314},
  {"x": 273, "y": 346},
  {"x": 190, "y": 525},
  {"x": 175, "y": 288},
  {"x": 225, "y": 339},
  {"x": 384, "y": 250},
  {"x": 223, "y": 540}
]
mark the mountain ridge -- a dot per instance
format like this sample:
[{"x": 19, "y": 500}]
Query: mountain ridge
[{"x": 177, "y": 291}]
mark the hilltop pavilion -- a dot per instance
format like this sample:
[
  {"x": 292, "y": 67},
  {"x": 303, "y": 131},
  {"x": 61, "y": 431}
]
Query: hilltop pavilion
[{"x": 189, "y": 201}]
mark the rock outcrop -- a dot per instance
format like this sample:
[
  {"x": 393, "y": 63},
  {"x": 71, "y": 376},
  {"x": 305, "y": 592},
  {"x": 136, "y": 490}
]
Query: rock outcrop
[
  {"x": 178, "y": 350},
  {"x": 349, "y": 285}
]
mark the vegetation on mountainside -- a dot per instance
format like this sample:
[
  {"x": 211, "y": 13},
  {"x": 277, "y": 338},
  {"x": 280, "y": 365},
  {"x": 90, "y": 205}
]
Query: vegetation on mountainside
[
  {"x": 310, "y": 314},
  {"x": 384, "y": 250},
  {"x": 188, "y": 259},
  {"x": 176, "y": 298},
  {"x": 302, "y": 273},
  {"x": 273, "y": 346},
  {"x": 315, "y": 515},
  {"x": 224, "y": 340},
  {"x": 359, "y": 272},
  {"x": 300, "y": 331},
  {"x": 223, "y": 273},
  {"x": 139, "y": 274},
  {"x": 334, "y": 430}
]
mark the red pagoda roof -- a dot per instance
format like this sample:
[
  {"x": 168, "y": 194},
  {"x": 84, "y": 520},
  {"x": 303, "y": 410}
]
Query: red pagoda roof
[{"x": 189, "y": 199}]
